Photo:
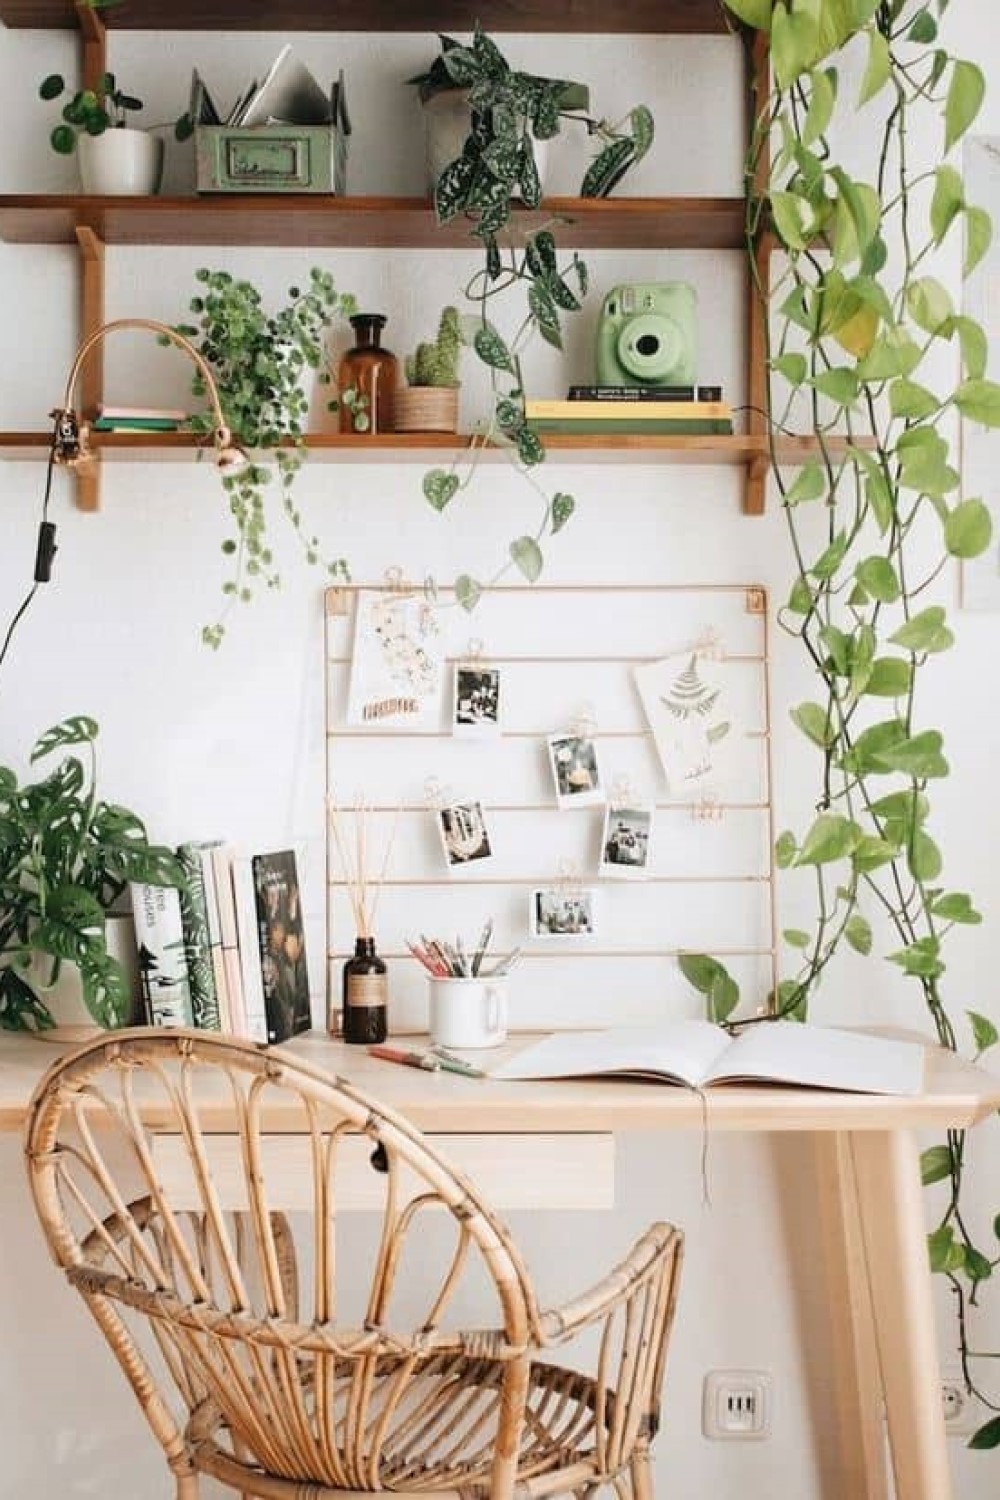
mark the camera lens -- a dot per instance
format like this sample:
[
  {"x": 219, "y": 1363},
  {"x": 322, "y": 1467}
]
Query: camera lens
[{"x": 649, "y": 348}]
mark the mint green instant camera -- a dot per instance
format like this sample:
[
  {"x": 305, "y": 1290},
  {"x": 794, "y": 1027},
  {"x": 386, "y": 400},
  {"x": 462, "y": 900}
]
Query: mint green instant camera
[{"x": 645, "y": 335}]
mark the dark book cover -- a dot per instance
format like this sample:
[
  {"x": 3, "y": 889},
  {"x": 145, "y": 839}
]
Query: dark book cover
[
  {"x": 645, "y": 393},
  {"x": 282, "y": 944}
]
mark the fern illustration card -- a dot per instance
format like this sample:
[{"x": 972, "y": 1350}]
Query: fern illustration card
[
  {"x": 687, "y": 707},
  {"x": 397, "y": 669}
]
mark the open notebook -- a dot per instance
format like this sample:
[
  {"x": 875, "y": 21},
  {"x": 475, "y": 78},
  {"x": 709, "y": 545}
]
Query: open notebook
[{"x": 702, "y": 1054}]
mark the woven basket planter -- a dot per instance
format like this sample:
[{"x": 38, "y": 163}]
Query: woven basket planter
[{"x": 426, "y": 408}]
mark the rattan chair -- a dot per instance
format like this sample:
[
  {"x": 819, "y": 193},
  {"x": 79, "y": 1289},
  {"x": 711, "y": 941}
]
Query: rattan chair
[{"x": 230, "y": 1316}]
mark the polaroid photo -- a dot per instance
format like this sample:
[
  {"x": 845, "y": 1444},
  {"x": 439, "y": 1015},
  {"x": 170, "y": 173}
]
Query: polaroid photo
[
  {"x": 476, "y": 705},
  {"x": 626, "y": 842},
  {"x": 568, "y": 912},
  {"x": 465, "y": 836},
  {"x": 575, "y": 772}
]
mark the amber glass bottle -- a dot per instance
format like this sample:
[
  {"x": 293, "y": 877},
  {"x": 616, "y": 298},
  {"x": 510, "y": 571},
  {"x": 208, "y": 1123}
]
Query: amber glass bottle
[
  {"x": 367, "y": 379},
  {"x": 365, "y": 994}
]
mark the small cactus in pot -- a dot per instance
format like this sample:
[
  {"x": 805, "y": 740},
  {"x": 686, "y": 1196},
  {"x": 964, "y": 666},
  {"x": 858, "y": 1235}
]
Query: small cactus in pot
[{"x": 429, "y": 402}]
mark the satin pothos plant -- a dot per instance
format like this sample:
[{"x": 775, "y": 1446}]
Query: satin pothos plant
[
  {"x": 870, "y": 354},
  {"x": 509, "y": 112}
]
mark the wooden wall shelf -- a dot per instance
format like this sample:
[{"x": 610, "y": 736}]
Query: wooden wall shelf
[
  {"x": 404, "y": 223},
  {"x": 659, "y": 17},
  {"x": 397, "y": 447}
]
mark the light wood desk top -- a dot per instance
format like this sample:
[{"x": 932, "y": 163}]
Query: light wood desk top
[{"x": 956, "y": 1095}]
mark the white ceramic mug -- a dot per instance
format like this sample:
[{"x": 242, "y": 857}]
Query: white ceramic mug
[{"x": 468, "y": 1012}]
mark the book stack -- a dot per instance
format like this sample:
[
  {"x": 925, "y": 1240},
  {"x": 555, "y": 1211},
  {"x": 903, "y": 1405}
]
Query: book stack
[
  {"x": 609, "y": 409},
  {"x": 226, "y": 952},
  {"x": 138, "y": 419}
]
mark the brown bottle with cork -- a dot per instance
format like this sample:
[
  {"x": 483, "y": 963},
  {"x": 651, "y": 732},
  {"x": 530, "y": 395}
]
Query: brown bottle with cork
[
  {"x": 365, "y": 995},
  {"x": 366, "y": 379}
]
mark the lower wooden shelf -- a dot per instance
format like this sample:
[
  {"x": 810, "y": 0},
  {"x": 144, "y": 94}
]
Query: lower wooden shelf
[{"x": 399, "y": 447}]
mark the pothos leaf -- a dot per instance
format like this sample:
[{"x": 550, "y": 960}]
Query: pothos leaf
[
  {"x": 439, "y": 487},
  {"x": 608, "y": 168},
  {"x": 527, "y": 556},
  {"x": 492, "y": 350},
  {"x": 467, "y": 591},
  {"x": 563, "y": 506}
]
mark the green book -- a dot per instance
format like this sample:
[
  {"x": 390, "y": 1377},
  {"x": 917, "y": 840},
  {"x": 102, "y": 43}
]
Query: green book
[
  {"x": 197, "y": 940},
  {"x": 661, "y": 426},
  {"x": 135, "y": 424}
]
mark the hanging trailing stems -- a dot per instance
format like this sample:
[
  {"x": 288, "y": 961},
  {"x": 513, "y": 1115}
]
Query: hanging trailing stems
[
  {"x": 509, "y": 111},
  {"x": 864, "y": 347}
]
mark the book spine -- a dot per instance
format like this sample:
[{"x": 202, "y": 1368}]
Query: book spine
[
  {"x": 627, "y": 411},
  {"x": 639, "y": 393},
  {"x": 245, "y": 898},
  {"x": 159, "y": 933},
  {"x": 220, "y": 858},
  {"x": 657, "y": 426},
  {"x": 135, "y": 424},
  {"x": 197, "y": 940}
]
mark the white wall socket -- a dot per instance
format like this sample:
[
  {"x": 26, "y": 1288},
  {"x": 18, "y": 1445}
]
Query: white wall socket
[
  {"x": 963, "y": 1413},
  {"x": 736, "y": 1404}
]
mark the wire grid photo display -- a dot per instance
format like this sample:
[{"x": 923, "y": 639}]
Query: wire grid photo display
[{"x": 560, "y": 650}]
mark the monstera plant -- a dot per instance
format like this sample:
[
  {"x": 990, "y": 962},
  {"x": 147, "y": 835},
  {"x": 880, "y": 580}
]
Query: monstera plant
[
  {"x": 65, "y": 857},
  {"x": 869, "y": 353}
]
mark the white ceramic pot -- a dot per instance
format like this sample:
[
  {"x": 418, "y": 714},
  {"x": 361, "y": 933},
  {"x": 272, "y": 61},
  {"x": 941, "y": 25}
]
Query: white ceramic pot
[
  {"x": 120, "y": 163},
  {"x": 447, "y": 123},
  {"x": 65, "y": 998}
]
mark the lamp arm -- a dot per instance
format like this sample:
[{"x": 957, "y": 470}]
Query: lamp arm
[{"x": 223, "y": 434}]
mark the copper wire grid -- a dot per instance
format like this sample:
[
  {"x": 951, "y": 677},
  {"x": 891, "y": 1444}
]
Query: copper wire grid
[{"x": 338, "y": 603}]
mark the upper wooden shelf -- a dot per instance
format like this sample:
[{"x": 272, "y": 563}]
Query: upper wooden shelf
[
  {"x": 388, "y": 223},
  {"x": 662, "y": 17}
]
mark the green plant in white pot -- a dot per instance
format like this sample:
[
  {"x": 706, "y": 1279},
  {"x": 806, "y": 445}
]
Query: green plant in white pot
[
  {"x": 65, "y": 858},
  {"x": 115, "y": 159}
]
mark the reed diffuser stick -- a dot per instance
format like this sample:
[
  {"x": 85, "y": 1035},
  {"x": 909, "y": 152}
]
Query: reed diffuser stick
[{"x": 353, "y": 852}]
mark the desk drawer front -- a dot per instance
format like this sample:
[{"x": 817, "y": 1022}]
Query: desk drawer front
[{"x": 511, "y": 1171}]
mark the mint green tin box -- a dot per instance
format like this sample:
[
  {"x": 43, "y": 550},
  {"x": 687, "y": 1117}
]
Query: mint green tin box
[{"x": 278, "y": 158}]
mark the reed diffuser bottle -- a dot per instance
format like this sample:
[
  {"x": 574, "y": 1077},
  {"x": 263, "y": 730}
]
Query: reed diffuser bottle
[
  {"x": 364, "y": 1008},
  {"x": 365, "y": 995}
]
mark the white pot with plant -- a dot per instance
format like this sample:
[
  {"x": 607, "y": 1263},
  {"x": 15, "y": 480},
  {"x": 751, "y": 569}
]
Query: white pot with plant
[
  {"x": 429, "y": 400},
  {"x": 116, "y": 160},
  {"x": 455, "y": 98}
]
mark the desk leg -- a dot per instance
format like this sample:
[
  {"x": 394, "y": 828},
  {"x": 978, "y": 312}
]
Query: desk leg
[
  {"x": 857, "y": 1385},
  {"x": 891, "y": 1204}
]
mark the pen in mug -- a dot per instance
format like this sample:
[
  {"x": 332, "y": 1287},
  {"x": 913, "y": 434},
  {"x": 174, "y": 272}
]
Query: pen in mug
[{"x": 481, "y": 947}]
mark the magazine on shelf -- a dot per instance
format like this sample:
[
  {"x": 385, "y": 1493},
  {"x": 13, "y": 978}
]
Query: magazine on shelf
[
  {"x": 704, "y": 1055},
  {"x": 282, "y": 947}
]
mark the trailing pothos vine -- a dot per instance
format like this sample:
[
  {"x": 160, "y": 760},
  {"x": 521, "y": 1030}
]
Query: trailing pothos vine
[
  {"x": 509, "y": 111},
  {"x": 867, "y": 346}
]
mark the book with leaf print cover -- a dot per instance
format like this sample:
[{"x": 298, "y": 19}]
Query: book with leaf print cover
[
  {"x": 703, "y": 1055},
  {"x": 281, "y": 943},
  {"x": 197, "y": 928},
  {"x": 159, "y": 937}
]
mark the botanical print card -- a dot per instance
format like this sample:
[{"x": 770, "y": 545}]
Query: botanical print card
[
  {"x": 686, "y": 705},
  {"x": 397, "y": 669}
]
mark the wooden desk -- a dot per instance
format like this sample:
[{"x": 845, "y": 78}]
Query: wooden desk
[{"x": 866, "y": 1180}]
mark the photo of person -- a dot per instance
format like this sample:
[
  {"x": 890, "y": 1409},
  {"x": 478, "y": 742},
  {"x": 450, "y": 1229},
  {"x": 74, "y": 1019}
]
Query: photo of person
[
  {"x": 563, "y": 912},
  {"x": 573, "y": 758},
  {"x": 477, "y": 702},
  {"x": 625, "y": 846},
  {"x": 464, "y": 834}
]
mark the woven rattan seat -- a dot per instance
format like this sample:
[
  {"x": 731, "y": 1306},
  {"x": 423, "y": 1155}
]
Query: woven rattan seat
[{"x": 259, "y": 1352}]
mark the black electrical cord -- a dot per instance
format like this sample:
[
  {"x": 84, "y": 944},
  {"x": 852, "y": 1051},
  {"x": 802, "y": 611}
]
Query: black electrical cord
[{"x": 45, "y": 551}]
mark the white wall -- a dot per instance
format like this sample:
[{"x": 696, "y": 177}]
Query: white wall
[{"x": 231, "y": 743}]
